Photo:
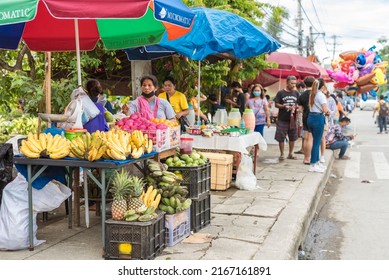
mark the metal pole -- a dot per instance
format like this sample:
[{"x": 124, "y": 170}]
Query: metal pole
[
  {"x": 78, "y": 52},
  {"x": 198, "y": 94}
]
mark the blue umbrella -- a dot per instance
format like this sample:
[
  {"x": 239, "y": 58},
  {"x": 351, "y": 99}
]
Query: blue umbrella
[
  {"x": 147, "y": 52},
  {"x": 216, "y": 31}
]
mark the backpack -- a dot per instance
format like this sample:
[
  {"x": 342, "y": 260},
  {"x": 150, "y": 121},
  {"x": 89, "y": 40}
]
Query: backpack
[{"x": 383, "y": 110}]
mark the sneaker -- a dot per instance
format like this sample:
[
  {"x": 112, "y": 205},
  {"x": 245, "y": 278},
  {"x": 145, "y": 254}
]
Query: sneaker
[
  {"x": 316, "y": 168},
  {"x": 379, "y": 132},
  {"x": 322, "y": 166},
  {"x": 345, "y": 157},
  {"x": 322, "y": 160}
]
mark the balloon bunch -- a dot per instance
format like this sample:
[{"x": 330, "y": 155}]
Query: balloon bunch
[{"x": 359, "y": 72}]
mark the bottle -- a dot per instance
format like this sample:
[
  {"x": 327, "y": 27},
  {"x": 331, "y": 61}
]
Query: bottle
[
  {"x": 191, "y": 116},
  {"x": 242, "y": 124},
  {"x": 234, "y": 117},
  {"x": 249, "y": 119}
]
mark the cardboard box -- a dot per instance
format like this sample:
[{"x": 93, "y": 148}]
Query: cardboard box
[{"x": 221, "y": 170}]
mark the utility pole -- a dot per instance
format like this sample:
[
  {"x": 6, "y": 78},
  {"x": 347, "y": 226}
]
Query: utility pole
[
  {"x": 334, "y": 46},
  {"x": 299, "y": 28}
]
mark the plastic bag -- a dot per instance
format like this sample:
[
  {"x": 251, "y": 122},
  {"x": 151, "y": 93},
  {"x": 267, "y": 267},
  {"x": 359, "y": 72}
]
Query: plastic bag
[
  {"x": 89, "y": 108},
  {"x": 245, "y": 178},
  {"x": 14, "y": 233}
]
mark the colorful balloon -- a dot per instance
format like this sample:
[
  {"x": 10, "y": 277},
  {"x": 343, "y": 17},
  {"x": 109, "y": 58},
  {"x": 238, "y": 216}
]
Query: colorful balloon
[
  {"x": 365, "y": 79},
  {"x": 366, "y": 69},
  {"x": 364, "y": 96},
  {"x": 350, "y": 55},
  {"x": 379, "y": 78},
  {"x": 366, "y": 88}
]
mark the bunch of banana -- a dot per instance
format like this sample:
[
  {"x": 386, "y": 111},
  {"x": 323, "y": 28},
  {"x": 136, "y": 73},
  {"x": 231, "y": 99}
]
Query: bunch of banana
[
  {"x": 88, "y": 146},
  {"x": 118, "y": 144},
  {"x": 45, "y": 145},
  {"x": 174, "y": 205},
  {"x": 151, "y": 197},
  {"x": 147, "y": 215},
  {"x": 141, "y": 140}
]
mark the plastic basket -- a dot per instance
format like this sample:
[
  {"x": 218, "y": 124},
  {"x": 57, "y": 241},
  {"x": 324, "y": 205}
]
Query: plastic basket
[
  {"x": 197, "y": 179},
  {"x": 146, "y": 240},
  {"x": 200, "y": 212},
  {"x": 177, "y": 227}
]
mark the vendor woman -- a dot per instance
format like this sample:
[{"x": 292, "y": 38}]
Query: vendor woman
[
  {"x": 149, "y": 105},
  {"x": 94, "y": 91}
]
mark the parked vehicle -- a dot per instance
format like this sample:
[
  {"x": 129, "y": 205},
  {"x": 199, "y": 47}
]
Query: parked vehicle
[{"x": 369, "y": 103}]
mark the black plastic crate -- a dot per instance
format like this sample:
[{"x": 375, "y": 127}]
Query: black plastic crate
[
  {"x": 197, "y": 179},
  {"x": 200, "y": 212},
  {"x": 146, "y": 239}
]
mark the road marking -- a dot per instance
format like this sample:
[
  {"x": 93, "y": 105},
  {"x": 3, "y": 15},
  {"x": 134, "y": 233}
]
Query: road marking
[
  {"x": 352, "y": 169},
  {"x": 381, "y": 165}
]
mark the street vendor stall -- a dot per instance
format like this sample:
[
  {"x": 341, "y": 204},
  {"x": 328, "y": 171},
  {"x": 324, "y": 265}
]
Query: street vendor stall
[{"x": 70, "y": 164}]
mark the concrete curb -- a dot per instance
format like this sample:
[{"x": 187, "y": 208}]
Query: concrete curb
[{"x": 293, "y": 222}]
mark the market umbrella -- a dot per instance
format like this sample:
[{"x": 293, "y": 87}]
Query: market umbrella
[
  {"x": 323, "y": 73},
  {"x": 291, "y": 65},
  {"x": 264, "y": 79},
  {"x": 217, "y": 31},
  {"x": 67, "y": 25}
]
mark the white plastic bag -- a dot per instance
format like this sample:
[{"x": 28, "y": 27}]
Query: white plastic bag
[
  {"x": 89, "y": 108},
  {"x": 245, "y": 178},
  {"x": 14, "y": 233}
]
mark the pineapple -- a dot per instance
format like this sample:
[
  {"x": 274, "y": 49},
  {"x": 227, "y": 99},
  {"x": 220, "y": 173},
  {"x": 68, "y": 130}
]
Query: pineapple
[
  {"x": 136, "y": 188},
  {"x": 120, "y": 182}
]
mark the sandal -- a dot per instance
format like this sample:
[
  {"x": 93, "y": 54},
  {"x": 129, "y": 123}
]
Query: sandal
[
  {"x": 281, "y": 158},
  {"x": 306, "y": 163},
  {"x": 291, "y": 157}
]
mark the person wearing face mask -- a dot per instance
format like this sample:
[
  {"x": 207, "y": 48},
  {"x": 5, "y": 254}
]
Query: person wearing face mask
[
  {"x": 94, "y": 91},
  {"x": 148, "y": 104},
  {"x": 258, "y": 103}
]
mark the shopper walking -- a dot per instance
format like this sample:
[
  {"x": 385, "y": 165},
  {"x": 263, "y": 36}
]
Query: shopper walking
[
  {"x": 316, "y": 118},
  {"x": 383, "y": 111}
]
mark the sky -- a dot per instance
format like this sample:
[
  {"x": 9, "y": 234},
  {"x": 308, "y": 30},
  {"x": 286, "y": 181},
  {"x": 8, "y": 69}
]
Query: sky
[{"x": 355, "y": 23}]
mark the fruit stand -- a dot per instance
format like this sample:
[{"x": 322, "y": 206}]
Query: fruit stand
[{"x": 70, "y": 164}]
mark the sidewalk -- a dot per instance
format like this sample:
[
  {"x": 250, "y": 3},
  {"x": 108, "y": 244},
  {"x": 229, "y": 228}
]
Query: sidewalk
[{"x": 268, "y": 223}]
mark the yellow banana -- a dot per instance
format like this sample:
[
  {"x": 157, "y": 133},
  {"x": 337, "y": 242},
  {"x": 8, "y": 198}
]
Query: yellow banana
[
  {"x": 151, "y": 197},
  {"x": 49, "y": 139},
  {"x": 156, "y": 201},
  {"x": 116, "y": 155},
  {"x": 150, "y": 146},
  {"x": 42, "y": 141},
  {"x": 30, "y": 146},
  {"x": 92, "y": 154},
  {"x": 60, "y": 155},
  {"x": 100, "y": 152},
  {"x": 25, "y": 151},
  {"x": 147, "y": 194}
]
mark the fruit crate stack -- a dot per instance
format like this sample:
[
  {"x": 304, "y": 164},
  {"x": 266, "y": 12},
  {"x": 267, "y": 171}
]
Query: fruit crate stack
[
  {"x": 135, "y": 240},
  {"x": 198, "y": 181}
]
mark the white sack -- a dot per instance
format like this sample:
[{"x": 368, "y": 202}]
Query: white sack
[{"x": 14, "y": 211}]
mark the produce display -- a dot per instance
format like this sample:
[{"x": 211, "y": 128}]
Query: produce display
[
  {"x": 187, "y": 160},
  {"x": 45, "y": 145},
  {"x": 14, "y": 124},
  {"x": 173, "y": 195},
  {"x": 149, "y": 127},
  {"x": 127, "y": 202}
]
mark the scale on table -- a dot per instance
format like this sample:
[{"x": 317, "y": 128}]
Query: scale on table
[{"x": 51, "y": 118}]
